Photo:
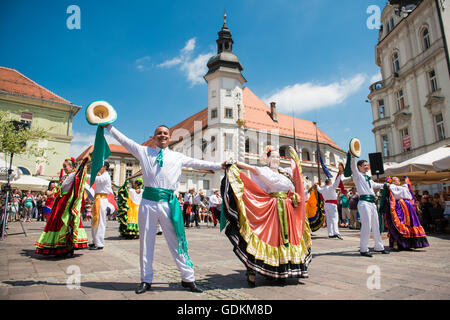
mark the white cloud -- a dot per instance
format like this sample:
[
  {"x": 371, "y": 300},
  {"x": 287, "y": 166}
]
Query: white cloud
[
  {"x": 143, "y": 64},
  {"x": 375, "y": 78},
  {"x": 170, "y": 63},
  {"x": 302, "y": 97},
  {"x": 194, "y": 67},
  {"x": 81, "y": 141},
  {"x": 190, "y": 46}
]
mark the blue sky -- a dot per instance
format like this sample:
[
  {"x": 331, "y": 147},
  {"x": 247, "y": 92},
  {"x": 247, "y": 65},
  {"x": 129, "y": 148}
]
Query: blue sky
[{"x": 147, "y": 58}]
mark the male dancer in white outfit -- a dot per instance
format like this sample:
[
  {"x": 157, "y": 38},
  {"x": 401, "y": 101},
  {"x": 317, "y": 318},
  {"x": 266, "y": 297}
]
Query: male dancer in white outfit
[
  {"x": 102, "y": 189},
  {"x": 161, "y": 172},
  {"x": 367, "y": 207},
  {"x": 330, "y": 197},
  {"x": 215, "y": 203}
]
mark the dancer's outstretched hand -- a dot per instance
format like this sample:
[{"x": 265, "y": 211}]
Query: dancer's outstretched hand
[{"x": 224, "y": 165}]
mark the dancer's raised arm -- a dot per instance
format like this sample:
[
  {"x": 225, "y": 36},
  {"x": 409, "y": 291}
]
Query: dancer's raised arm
[{"x": 133, "y": 147}]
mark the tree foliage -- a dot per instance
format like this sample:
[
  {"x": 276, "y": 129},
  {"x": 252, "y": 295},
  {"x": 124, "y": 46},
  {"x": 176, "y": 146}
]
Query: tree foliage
[{"x": 23, "y": 141}]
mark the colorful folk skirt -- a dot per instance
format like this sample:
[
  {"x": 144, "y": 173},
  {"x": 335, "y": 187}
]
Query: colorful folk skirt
[
  {"x": 127, "y": 214},
  {"x": 403, "y": 225},
  {"x": 64, "y": 230},
  {"x": 269, "y": 235},
  {"x": 315, "y": 211}
]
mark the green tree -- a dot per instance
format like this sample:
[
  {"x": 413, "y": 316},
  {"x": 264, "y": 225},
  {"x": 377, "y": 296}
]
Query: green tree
[{"x": 23, "y": 141}]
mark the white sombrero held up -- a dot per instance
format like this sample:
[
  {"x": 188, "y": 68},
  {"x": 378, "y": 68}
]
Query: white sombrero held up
[
  {"x": 355, "y": 147},
  {"x": 100, "y": 113}
]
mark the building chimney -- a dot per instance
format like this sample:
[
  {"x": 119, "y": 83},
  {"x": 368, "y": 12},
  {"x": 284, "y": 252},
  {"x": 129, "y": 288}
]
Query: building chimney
[{"x": 273, "y": 111}]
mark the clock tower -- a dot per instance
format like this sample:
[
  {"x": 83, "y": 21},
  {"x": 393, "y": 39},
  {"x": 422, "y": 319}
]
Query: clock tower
[{"x": 225, "y": 104}]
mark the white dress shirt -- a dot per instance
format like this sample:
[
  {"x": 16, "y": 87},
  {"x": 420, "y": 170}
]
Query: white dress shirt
[
  {"x": 215, "y": 200},
  {"x": 400, "y": 192},
  {"x": 271, "y": 181},
  {"x": 329, "y": 192},
  {"x": 198, "y": 201},
  {"x": 167, "y": 176},
  {"x": 188, "y": 198},
  {"x": 67, "y": 183},
  {"x": 362, "y": 186},
  {"x": 103, "y": 183}
]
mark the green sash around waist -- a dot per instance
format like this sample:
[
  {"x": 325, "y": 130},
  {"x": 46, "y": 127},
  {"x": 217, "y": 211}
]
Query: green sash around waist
[
  {"x": 165, "y": 195},
  {"x": 367, "y": 198},
  {"x": 281, "y": 196}
]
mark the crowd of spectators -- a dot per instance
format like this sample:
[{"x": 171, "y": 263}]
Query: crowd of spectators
[{"x": 24, "y": 205}]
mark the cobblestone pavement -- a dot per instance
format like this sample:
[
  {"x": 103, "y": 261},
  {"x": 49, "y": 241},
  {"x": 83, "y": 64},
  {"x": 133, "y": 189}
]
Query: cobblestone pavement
[{"x": 337, "y": 270}]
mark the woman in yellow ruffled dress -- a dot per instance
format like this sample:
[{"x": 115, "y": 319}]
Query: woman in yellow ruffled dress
[
  {"x": 266, "y": 217},
  {"x": 129, "y": 201}
]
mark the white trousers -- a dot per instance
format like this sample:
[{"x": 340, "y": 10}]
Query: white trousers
[
  {"x": 98, "y": 234},
  {"x": 369, "y": 221},
  {"x": 150, "y": 214},
  {"x": 332, "y": 215}
]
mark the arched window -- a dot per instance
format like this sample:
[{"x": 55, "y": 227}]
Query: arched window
[
  {"x": 426, "y": 38},
  {"x": 395, "y": 62},
  {"x": 332, "y": 159},
  {"x": 306, "y": 155},
  {"x": 284, "y": 151}
]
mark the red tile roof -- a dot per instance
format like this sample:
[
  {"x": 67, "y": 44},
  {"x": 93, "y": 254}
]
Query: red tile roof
[
  {"x": 115, "y": 148},
  {"x": 12, "y": 81},
  {"x": 257, "y": 116}
]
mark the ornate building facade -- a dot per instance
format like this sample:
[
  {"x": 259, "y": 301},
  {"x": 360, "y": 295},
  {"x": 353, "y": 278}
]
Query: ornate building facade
[{"x": 410, "y": 105}]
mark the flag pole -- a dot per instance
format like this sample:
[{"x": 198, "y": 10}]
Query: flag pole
[
  {"x": 317, "y": 154},
  {"x": 293, "y": 126}
]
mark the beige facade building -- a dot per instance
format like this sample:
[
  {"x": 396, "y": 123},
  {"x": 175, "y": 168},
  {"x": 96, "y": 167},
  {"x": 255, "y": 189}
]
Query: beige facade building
[
  {"x": 29, "y": 102},
  {"x": 411, "y": 104}
]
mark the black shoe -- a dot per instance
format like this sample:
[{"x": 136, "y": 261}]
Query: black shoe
[
  {"x": 339, "y": 236},
  {"x": 159, "y": 233},
  {"x": 191, "y": 285},
  {"x": 142, "y": 287},
  {"x": 91, "y": 245},
  {"x": 384, "y": 251},
  {"x": 96, "y": 248},
  {"x": 332, "y": 236},
  {"x": 366, "y": 254}
]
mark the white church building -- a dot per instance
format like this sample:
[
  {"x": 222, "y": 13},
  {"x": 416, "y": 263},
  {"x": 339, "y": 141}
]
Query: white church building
[{"x": 238, "y": 125}]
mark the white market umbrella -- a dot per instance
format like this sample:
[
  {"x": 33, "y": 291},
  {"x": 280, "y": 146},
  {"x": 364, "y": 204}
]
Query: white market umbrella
[
  {"x": 26, "y": 182},
  {"x": 423, "y": 162},
  {"x": 442, "y": 164}
]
